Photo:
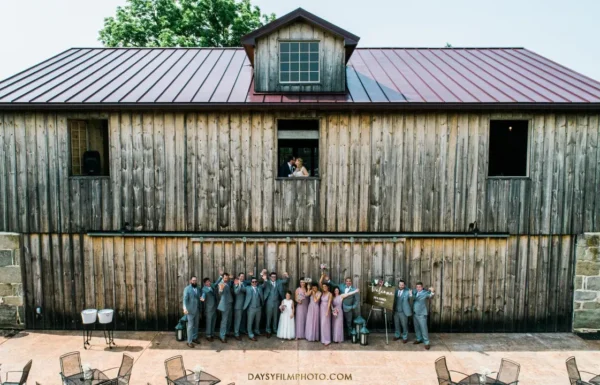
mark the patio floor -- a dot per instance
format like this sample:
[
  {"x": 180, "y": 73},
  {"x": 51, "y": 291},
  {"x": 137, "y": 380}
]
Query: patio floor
[{"x": 542, "y": 357}]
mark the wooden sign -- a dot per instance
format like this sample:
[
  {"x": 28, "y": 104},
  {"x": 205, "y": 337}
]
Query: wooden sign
[{"x": 381, "y": 296}]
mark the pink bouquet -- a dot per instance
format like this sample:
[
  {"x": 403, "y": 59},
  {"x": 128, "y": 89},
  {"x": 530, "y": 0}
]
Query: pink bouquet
[
  {"x": 323, "y": 266},
  {"x": 282, "y": 308},
  {"x": 335, "y": 312}
]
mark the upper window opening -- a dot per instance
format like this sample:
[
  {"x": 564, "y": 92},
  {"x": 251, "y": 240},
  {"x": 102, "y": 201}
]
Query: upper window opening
[
  {"x": 298, "y": 147},
  {"x": 89, "y": 147},
  {"x": 508, "y": 148},
  {"x": 299, "y": 62}
]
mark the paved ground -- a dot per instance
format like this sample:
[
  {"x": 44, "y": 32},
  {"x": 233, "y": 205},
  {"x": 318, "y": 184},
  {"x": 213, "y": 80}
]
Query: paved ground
[{"x": 542, "y": 357}]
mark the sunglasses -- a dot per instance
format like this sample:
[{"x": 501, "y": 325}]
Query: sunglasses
[{"x": 254, "y": 281}]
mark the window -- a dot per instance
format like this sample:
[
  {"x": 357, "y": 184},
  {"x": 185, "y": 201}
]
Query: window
[
  {"x": 508, "y": 148},
  {"x": 299, "y": 138},
  {"x": 299, "y": 62},
  {"x": 89, "y": 147}
]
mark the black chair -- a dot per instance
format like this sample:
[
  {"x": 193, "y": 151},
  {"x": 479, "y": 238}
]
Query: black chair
[
  {"x": 124, "y": 373},
  {"x": 70, "y": 365},
  {"x": 574, "y": 373},
  {"x": 24, "y": 375},
  {"x": 443, "y": 374},
  {"x": 509, "y": 372}
]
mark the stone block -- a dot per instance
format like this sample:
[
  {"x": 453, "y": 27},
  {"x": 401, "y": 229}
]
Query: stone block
[
  {"x": 10, "y": 274},
  {"x": 593, "y": 283},
  {"x": 592, "y": 239},
  {"x": 579, "y": 282},
  {"x": 9, "y": 241},
  {"x": 586, "y": 319},
  {"x": 8, "y": 316},
  {"x": 590, "y": 305},
  {"x": 581, "y": 295},
  {"x": 6, "y": 258},
  {"x": 17, "y": 257},
  {"x": 6, "y": 289},
  {"x": 587, "y": 268},
  {"x": 591, "y": 254},
  {"x": 12, "y": 301}
]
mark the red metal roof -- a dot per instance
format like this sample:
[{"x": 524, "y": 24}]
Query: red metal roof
[{"x": 223, "y": 76}]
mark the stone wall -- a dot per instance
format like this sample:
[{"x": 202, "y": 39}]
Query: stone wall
[
  {"x": 12, "y": 312},
  {"x": 586, "y": 308}
]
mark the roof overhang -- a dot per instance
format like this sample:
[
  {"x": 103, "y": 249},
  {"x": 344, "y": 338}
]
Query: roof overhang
[{"x": 249, "y": 40}]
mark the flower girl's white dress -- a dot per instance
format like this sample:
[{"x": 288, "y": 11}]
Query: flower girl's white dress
[{"x": 287, "y": 325}]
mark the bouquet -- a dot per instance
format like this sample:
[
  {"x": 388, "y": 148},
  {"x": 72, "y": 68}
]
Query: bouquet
[
  {"x": 323, "y": 266},
  {"x": 282, "y": 308},
  {"x": 87, "y": 371},
  {"x": 387, "y": 284},
  {"x": 308, "y": 280},
  {"x": 335, "y": 312},
  {"x": 197, "y": 372}
]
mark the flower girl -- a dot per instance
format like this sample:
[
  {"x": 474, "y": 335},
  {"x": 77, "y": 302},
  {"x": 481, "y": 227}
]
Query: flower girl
[{"x": 287, "y": 325}]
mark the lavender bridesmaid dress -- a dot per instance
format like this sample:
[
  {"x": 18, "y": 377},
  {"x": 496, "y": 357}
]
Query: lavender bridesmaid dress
[
  {"x": 301, "y": 310},
  {"x": 338, "y": 322},
  {"x": 311, "y": 332},
  {"x": 325, "y": 320}
]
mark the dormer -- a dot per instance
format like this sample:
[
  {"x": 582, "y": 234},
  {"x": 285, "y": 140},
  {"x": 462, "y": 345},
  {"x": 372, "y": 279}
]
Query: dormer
[{"x": 298, "y": 53}]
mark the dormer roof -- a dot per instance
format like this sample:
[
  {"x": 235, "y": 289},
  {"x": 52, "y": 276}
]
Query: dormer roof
[{"x": 249, "y": 40}]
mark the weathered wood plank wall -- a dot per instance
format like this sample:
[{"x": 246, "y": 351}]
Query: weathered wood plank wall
[
  {"x": 520, "y": 283},
  {"x": 403, "y": 172}
]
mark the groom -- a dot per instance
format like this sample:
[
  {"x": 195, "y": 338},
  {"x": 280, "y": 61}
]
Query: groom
[
  {"x": 274, "y": 293},
  {"x": 287, "y": 168}
]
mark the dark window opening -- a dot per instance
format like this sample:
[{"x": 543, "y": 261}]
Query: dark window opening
[
  {"x": 298, "y": 138},
  {"x": 508, "y": 148},
  {"x": 89, "y": 147}
]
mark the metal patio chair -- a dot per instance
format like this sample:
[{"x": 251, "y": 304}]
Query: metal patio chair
[
  {"x": 24, "y": 375},
  {"x": 443, "y": 374},
  {"x": 509, "y": 372},
  {"x": 70, "y": 364},
  {"x": 124, "y": 373},
  {"x": 574, "y": 373},
  {"x": 175, "y": 369}
]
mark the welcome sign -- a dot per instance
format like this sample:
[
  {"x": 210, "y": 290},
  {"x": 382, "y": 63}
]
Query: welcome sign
[{"x": 381, "y": 296}]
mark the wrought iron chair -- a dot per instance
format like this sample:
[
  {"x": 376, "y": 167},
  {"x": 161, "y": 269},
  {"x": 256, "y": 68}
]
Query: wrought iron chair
[
  {"x": 70, "y": 365},
  {"x": 175, "y": 369},
  {"x": 509, "y": 372},
  {"x": 443, "y": 374},
  {"x": 574, "y": 373},
  {"x": 24, "y": 375},
  {"x": 124, "y": 373}
]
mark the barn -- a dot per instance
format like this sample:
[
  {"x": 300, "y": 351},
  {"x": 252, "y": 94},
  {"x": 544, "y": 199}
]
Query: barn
[{"x": 126, "y": 170}]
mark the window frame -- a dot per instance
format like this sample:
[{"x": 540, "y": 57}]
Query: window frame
[
  {"x": 299, "y": 82},
  {"x": 527, "y": 175},
  {"x": 70, "y": 149},
  {"x": 276, "y": 157}
]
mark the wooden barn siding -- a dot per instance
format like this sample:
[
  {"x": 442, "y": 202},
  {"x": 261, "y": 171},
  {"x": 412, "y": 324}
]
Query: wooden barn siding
[
  {"x": 521, "y": 283},
  {"x": 408, "y": 172}
]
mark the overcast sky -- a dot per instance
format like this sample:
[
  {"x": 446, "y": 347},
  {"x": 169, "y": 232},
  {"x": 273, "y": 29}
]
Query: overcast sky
[{"x": 567, "y": 32}]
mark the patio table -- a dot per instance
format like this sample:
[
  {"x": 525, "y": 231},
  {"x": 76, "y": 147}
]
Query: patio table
[
  {"x": 205, "y": 379},
  {"x": 595, "y": 380},
  {"x": 475, "y": 379},
  {"x": 98, "y": 377}
]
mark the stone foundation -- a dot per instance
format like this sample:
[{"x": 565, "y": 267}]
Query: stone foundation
[
  {"x": 586, "y": 308},
  {"x": 12, "y": 311}
]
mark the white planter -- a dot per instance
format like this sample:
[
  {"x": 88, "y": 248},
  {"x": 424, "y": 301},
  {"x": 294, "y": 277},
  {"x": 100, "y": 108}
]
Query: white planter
[
  {"x": 88, "y": 316},
  {"x": 105, "y": 316}
]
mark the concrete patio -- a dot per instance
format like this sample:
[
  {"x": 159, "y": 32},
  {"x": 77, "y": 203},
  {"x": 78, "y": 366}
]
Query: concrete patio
[{"x": 542, "y": 357}]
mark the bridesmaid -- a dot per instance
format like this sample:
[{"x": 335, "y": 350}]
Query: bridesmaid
[
  {"x": 338, "y": 314},
  {"x": 311, "y": 332},
  {"x": 326, "y": 299},
  {"x": 302, "y": 300}
]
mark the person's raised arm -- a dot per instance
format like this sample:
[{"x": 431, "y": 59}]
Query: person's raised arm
[{"x": 344, "y": 296}]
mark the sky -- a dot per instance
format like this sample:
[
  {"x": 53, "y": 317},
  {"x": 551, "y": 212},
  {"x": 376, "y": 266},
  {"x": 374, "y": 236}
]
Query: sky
[{"x": 567, "y": 32}]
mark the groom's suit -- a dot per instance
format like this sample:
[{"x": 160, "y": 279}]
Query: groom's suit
[
  {"x": 285, "y": 170},
  {"x": 273, "y": 293}
]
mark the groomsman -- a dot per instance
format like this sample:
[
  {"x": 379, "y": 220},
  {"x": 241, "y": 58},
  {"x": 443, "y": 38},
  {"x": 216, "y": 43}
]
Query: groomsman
[
  {"x": 225, "y": 306},
  {"x": 192, "y": 309},
  {"x": 273, "y": 291},
  {"x": 420, "y": 297},
  {"x": 253, "y": 305},
  {"x": 209, "y": 299},
  {"x": 239, "y": 289},
  {"x": 349, "y": 304},
  {"x": 401, "y": 311}
]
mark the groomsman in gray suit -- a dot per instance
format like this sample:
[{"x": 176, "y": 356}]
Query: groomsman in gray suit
[
  {"x": 239, "y": 289},
  {"x": 225, "y": 305},
  {"x": 192, "y": 309},
  {"x": 349, "y": 304},
  {"x": 274, "y": 293},
  {"x": 401, "y": 311},
  {"x": 420, "y": 297},
  {"x": 253, "y": 304},
  {"x": 209, "y": 298}
]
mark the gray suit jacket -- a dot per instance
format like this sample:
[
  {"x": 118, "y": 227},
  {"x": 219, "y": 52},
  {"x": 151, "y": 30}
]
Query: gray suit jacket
[
  {"x": 274, "y": 294},
  {"x": 191, "y": 300},
  {"x": 225, "y": 298},
  {"x": 402, "y": 303},
  {"x": 351, "y": 302},
  {"x": 210, "y": 298},
  {"x": 420, "y": 301},
  {"x": 240, "y": 295},
  {"x": 249, "y": 293}
]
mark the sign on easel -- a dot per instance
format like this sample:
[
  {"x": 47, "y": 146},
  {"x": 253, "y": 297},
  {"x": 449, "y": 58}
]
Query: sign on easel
[{"x": 381, "y": 296}]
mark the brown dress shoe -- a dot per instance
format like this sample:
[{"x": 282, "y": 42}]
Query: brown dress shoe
[
  {"x": 224, "y": 340},
  {"x": 253, "y": 339},
  {"x": 417, "y": 342},
  {"x": 209, "y": 339},
  {"x": 404, "y": 341},
  {"x": 427, "y": 347},
  {"x": 238, "y": 338},
  {"x": 196, "y": 341},
  {"x": 396, "y": 338},
  {"x": 190, "y": 345},
  {"x": 268, "y": 335}
]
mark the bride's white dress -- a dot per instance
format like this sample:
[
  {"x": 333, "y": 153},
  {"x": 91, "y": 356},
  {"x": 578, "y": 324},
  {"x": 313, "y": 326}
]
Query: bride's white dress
[
  {"x": 287, "y": 325},
  {"x": 298, "y": 172}
]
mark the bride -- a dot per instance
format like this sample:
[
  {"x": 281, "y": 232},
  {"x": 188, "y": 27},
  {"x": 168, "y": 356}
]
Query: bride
[{"x": 300, "y": 169}]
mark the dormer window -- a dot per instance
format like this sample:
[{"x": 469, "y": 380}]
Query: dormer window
[{"x": 299, "y": 62}]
